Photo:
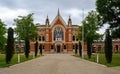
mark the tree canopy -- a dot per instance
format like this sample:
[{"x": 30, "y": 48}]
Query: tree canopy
[
  {"x": 25, "y": 27},
  {"x": 2, "y": 33},
  {"x": 109, "y": 11},
  {"x": 91, "y": 24},
  {"x": 26, "y": 30}
]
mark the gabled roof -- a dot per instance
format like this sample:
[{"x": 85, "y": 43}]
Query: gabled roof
[{"x": 58, "y": 17}]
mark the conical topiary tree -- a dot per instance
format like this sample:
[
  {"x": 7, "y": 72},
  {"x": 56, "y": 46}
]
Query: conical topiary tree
[
  {"x": 40, "y": 47},
  {"x": 108, "y": 47},
  {"x": 10, "y": 45},
  {"x": 80, "y": 49},
  {"x": 36, "y": 48},
  {"x": 76, "y": 47}
]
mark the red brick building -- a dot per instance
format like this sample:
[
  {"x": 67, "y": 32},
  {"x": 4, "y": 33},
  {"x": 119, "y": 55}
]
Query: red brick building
[
  {"x": 60, "y": 36},
  {"x": 57, "y": 36},
  {"x": 100, "y": 46}
]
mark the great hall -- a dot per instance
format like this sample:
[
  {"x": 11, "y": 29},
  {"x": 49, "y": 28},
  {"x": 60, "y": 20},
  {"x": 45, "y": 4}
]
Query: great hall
[{"x": 57, "y": 35}]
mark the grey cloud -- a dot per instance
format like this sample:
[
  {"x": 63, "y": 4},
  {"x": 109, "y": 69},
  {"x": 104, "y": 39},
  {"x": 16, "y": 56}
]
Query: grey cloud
[
  {"x": 42, "y": 8},
  {"x": 49, "y": 4}
]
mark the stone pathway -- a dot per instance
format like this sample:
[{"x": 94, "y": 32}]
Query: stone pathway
[{"x": 58, "y": 64}]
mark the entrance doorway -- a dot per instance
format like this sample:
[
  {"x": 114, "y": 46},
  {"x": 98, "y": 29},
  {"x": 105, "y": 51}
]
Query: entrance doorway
[{"x": 58, "y": 48}]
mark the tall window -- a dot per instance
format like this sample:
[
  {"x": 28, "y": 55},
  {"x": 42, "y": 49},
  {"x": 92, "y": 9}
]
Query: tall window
[
  {"x": 40, "y": 38},
  {"x": 99, "y": 48},
  {"x": 43, "y": 38},
  {"x": 77, "y": 38},
  {"x": 58, "y": 34},
  {"x": 73, "y": 38}
]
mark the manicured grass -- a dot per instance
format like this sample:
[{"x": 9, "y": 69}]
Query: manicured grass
[
  {"x": 102, "y": 60},
  {"x": 14, "y": 60},
  {"x": 115, "y": 60}
]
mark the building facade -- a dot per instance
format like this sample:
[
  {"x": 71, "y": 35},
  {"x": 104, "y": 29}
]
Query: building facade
[
  {"x": 60, "y": 36},
  {"x": 57, "y": 36}
]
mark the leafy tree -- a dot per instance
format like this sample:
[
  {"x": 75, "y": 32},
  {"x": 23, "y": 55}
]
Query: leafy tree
[
  {"x": 80, "y": 49},
  {"x": 26, "y": 30},
  {"x": 109, "y": 11},
  {"x": 2, "y": 37},
  {"x": 91, "y": 24},
  {"x": 10, "y": 45},
  {"x": 116, "y": 33},
  {"x": 108, "y": 46}
]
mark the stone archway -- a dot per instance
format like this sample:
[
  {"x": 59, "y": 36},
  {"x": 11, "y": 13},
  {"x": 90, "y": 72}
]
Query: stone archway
[{"x": 58, "y": 47}]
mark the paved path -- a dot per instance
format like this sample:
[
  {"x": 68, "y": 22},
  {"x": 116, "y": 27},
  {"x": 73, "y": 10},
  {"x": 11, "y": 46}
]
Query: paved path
[{"x": 58, "y": 64}]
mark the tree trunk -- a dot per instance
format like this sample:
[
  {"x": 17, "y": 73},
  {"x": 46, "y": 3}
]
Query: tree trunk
[
  {"x": 89, "y": 48},
  {"x": 27, "y": 47}
]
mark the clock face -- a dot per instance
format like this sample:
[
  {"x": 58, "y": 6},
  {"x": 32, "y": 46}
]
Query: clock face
[{"x": 58, "y": 34}]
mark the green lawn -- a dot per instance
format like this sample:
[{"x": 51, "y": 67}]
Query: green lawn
[
  {"x": 102, "y": 60},
  {"x": 14, "y": 60}
]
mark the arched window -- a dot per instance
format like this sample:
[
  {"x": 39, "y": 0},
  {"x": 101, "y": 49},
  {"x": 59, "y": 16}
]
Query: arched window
[
  {"x": 58, "y": 34},
  {"x": 43, "y": 38}
]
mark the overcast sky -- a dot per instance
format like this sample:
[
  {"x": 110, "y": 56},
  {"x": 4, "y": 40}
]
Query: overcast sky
[{"x": 11, "y": 9}]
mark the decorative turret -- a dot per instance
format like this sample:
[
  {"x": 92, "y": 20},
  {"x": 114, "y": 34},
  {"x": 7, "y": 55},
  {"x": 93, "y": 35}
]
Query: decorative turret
[
  {"x": 47, "y": 22},
  {"x": 69, "y": 22}
]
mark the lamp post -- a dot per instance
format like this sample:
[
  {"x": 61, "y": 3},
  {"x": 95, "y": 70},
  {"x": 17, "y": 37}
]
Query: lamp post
[
  {"x": 18, "y": 57},
  {"x": 19, "y": 52},
  {"x": 97, "y": 58},
  {"x": 83, "y": 37}
]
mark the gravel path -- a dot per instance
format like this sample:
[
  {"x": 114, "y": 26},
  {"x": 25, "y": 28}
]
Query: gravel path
[{"x": 58, "y": 64}]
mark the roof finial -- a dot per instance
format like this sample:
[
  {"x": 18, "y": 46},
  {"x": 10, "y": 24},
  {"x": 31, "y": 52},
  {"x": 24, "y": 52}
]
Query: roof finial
[
  {"x": 47, "y": 16},
  {"x": 47, "y": 21},
  {"x": 69, "y": 21},
  {"x": 58, "y": 12},
  {"x": 69, "y": 16}
]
